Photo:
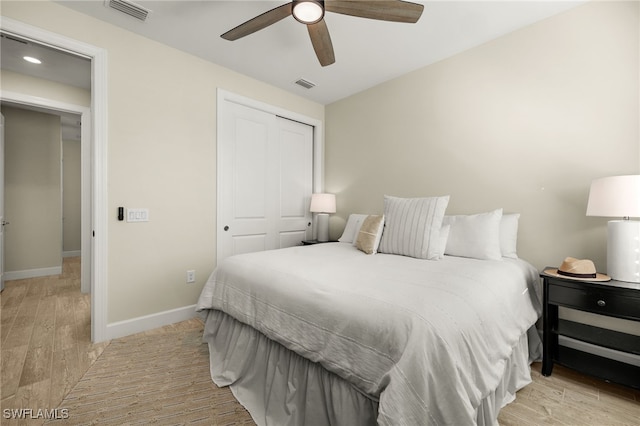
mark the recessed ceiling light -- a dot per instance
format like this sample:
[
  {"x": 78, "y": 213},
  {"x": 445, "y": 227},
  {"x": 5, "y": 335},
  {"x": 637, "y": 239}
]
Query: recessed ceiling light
[{"x": 32, "y": 60}]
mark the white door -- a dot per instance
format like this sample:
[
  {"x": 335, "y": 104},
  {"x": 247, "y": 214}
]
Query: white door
[
  {"x": 265, "y": 176},
  {"x": 2, "y": 222},
  {"x": 295, "y": 182}
]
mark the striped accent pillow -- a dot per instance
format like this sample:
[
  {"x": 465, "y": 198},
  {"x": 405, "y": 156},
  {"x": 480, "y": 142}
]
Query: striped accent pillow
[{"x": 412, "y": 226}]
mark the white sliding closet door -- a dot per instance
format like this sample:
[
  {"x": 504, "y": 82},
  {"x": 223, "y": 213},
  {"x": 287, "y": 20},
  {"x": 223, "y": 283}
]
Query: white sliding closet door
[
  {"x": 295, "y": 182},
  {"x": 265, "y": 178}
]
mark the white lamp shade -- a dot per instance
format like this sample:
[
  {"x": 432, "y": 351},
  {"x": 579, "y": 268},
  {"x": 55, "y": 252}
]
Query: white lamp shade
[
  {"x": 323, "y": 203},
  {"x": 615, "y": 196}
]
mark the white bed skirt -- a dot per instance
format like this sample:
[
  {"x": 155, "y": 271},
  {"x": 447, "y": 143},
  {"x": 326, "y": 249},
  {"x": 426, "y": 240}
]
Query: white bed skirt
[{"x": 279, "y": 387}]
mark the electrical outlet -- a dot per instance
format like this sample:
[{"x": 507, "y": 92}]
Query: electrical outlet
[{"x": 191, "y": 276}]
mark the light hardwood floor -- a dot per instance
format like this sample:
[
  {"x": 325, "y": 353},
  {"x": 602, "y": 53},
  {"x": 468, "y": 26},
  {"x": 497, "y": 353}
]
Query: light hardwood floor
[
  {"x": 45, "y": 332},
  {"x": 45, "y": 350}
]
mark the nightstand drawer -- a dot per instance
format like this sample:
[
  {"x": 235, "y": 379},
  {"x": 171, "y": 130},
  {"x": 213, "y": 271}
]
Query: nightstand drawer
[{"x": 599, "y": 301}]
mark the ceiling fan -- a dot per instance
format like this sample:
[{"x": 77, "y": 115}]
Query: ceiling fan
[{"x": 311, "y": 13}]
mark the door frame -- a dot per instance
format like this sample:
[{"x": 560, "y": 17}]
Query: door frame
[
  {"x": 318, "y": 138},
  {"x": 94, "y": 162}
]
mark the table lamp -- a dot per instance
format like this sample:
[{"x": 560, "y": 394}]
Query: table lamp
[
  {"x": 619, "y": 196},
  {"x": 322, "y": 205}
]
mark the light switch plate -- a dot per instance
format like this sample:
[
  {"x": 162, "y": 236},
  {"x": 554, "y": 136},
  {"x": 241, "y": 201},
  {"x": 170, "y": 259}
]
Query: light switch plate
[{"x": 137, "y": 215}]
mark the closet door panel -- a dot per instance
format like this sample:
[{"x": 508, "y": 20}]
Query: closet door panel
[
  {"x": 295, "y": 181},
  {"x": 245, "y": 182}
]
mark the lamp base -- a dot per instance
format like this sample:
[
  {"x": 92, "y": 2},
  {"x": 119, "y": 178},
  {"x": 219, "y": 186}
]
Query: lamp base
[
  {"x": 623, "y": 250},
  {"x": 323, "y": 227}
]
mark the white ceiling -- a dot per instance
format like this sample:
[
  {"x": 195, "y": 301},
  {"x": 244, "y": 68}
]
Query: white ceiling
[{"x": 368, "y": 52}]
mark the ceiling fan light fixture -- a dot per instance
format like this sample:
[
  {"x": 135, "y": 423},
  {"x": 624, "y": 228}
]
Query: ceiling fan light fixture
[{"x": 308, "y": 11}]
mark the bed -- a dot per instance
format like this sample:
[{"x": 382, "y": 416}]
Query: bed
[{"x": 328, "y": 334}]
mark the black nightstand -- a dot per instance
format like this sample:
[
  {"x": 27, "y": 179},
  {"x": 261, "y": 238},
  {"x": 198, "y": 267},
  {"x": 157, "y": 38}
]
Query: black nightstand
[{"x": 611, "y": 298}]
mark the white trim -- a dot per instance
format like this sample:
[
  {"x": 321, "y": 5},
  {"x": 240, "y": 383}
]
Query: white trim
[
  {"x": 32, "y": 273},
  {"x": 95, "y": 249},
  {"x": 72, "y": 253},
  {"x": 149, "y": 322}
]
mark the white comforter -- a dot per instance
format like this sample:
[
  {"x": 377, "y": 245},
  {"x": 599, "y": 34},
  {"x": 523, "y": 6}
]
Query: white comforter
[{"x": 429, "y": 339}]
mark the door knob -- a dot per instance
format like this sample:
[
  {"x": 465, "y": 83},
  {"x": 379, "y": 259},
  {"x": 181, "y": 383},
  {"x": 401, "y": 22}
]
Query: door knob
[{"x": 226, "y": 228}]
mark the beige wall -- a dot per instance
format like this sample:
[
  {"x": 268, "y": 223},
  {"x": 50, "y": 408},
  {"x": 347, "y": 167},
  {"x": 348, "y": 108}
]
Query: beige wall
[
  {"x": 33, "y": 238},
  {"x": 161, "y": 156},
  {"x": 524, "y": 122},
  {"x": 32, "y": 86},
  {"x": 71, "y": 196}
]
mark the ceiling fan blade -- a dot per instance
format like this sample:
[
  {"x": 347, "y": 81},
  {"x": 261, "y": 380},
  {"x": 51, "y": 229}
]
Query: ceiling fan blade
[
  {"x": 321, "y": 42},
  {"x": 259, "y": 22},
  {"x": 385, "y": 10}
]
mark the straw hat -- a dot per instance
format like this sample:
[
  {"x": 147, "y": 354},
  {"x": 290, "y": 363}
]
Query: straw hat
[{"x": 577, "y": 269}]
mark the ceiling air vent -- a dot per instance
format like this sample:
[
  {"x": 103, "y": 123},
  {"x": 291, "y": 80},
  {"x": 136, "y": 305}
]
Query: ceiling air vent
[
  {"x": 129, "y": 8},
  {"x": 305, "y": 83}
]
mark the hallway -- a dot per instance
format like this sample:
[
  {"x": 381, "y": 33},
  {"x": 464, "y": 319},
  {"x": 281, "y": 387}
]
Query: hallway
[{"x": 45, "y": 333}]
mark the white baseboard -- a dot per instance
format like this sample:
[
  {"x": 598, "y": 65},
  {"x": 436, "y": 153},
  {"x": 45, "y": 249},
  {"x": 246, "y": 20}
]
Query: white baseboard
[
  {"x": 149, "y": 322},
  {"x": 72, "y": 253},
  {"x": 32, "y": 273}
]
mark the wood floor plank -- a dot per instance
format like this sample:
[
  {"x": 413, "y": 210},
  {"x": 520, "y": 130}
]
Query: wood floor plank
[
  {"x": 18, "y": 335},
  {"x": 44, "y": 323},
  {"x": 11, "y": 363},
  {"x": 34, "y": 396},
  {"x": 7, "y": 318},
  {"x": 37, "y": 365},
  {"x": 64, "y": 374}
]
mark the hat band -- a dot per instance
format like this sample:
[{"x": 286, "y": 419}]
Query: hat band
[{"x": 571, "y": 274}]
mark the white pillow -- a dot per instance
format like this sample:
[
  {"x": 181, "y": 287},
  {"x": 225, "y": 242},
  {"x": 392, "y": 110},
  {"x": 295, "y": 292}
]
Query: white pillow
[
  {"x": 443, "y": 236},
  {"x": 369, "y": 235},
  {"x": 476, "y": 236},
  {"x": 411, "y": 226},
  {"x": 509, "y": 235},
  {"x": 350, "y": 233}
]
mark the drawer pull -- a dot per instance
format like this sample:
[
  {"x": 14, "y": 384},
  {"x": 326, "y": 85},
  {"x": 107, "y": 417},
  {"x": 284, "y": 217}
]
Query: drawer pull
[{"x": 602, "y": 303}]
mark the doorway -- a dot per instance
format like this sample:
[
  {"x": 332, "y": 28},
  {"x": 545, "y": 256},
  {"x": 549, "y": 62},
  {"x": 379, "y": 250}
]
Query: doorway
[
  {"x": 93, "y": 129},
  {"x": 42, "y": 189}
]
